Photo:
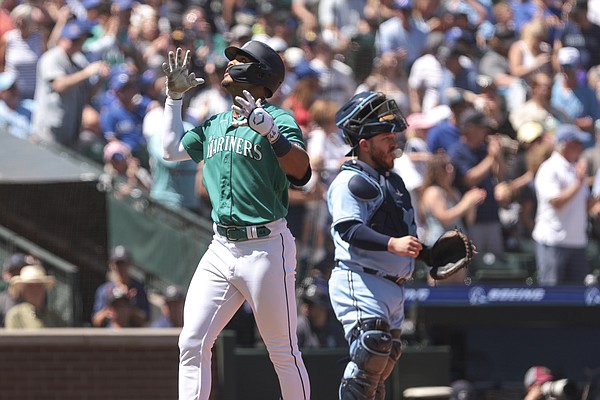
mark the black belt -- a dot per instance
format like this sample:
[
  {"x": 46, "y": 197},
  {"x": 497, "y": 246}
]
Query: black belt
[
  {"x": 242, "y": 233},
  {"x": 396, "y": 279}
]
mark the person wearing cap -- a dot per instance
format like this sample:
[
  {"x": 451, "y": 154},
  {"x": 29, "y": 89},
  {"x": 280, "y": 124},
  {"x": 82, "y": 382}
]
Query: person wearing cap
[
  {"x": 171, "y": 309},
  {"x": 479, "y": 162},
  {"x": 65, "y": 81},
  {"x": 535, "y": 146},
  {"x": 251, "y": 155},
  {"x": 563, "y": 200},
  {"x": 317, "y": 327},
  {"x": 402, "y": 34},
  {"x": 11, "y": 267},
  {"x": 573, "y": 96},
  {"x": 15, "y": 113},
  {"x": 446, "y": 132},
  {"x": 125, "y": 169},
  {"x": 494, "y": 61},
  {"x": 123, "y": 118},
  {"x": 120, "y": 312},
  {"x": 119, "y": 265},
  {"x": 31, "y": 287},
  {"x": 303, "y": 95}
]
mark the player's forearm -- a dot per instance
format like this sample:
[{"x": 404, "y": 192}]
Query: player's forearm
[
  {"x": 295, "y": 163},
  {"x": 171, "y": 132}
]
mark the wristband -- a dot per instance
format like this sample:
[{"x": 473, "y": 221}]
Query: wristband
[{"x": 281, "y": 146}]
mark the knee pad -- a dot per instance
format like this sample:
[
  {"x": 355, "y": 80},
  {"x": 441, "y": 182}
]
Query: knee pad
[
  {"x": 373, "y": 345},
  {"x": 369, "y": 353},
  {"x": 395, "y": 354}
]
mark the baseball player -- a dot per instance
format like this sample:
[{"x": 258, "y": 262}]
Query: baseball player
[
  {"x": 375, "y": 244},
  {"x": 251, "y": 155}
]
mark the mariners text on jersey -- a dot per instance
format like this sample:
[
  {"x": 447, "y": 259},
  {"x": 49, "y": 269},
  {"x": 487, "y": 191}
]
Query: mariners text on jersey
[{"x": 233, "y": 144}]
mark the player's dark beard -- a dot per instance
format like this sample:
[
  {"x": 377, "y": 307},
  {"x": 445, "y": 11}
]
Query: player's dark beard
[{"x": 383, "y": 159}]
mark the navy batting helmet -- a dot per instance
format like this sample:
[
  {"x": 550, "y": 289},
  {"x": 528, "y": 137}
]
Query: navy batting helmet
[
  {"x": 368, "y": 114},
  {"x": 268, "y": 70}
]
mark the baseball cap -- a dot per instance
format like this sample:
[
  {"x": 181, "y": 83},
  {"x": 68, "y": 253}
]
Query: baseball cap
[
  {"x": 114, "y": 149},
  {"x": 419, "y": 121},
  {"x": 115, "y": 293},
  {"x": 87, "y": 4},
  {"x": 568, "y": 56},
  {"x": 530, "y": 131},
  {"x": 76, "y": 29},
  {"x": 120, "y": 253},
  {"x": 238, "y": 32},
  {"x": 173, "y": 293},
  {"x": 571, "y": 133},
  {"x": 473, "y": 117},
  {"x": 537, "y": 374},
  {"x": 7, "y": 80},
  {"x": 485, "y": 82},
  {"x": 119, "y": 81},
  {"x": 14, "y": 263},
  {"x": 304, "y": 70},
  {"x": 124, "y": 4}
]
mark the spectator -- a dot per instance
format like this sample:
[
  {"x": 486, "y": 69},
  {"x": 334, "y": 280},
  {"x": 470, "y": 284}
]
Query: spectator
[
  {"x": 493, "y": 106},
  {"x": 22, "y": 47},
  {"x": 11, "y": 268},
  {"x": 63, "y": 86},
  {"x": 119, "y": 264},
  {"x": 336, "y": 78},
  {"x": 317, "y": 327},
  {"x": 561, "y": 220},
  {"x": 327, "y": 152},
  {"x": 31, "y": 287},
  {"x": 211, "y": 98},
  {"x": 458, "y": 72},
  {"x": 528, "y": 56},
  {"x": 402, "y": 35},
  {"x": 425, "y": 76},
  {"x": 119, "y": 310},
  {"x": 534, "y": 148},
  {"x": 171, "y": 311},
  {"x": 124, "y": 168},
  {"x": 340, "y": 21},
  {"x": 579, "y": 32},
  {"x": 390, "y": 78},
  {"x": 442, "y": 206},
  {"x": 538, "y": 108},
  {"x": 479, "y": 162},
  {"x": 494, "y": 62},
  {"x": 592, "y": 154},
  {"x": 303, "y": 95},
  {"x": 15, "y": 113},
  {"x": 416, "y": 144},
  {"x": 573, "y": 97},
  {"x": 446, "y": 133},
  {"x": 122, "y": 119}
]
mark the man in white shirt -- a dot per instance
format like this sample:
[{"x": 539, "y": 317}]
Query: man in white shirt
[{"x": 561, "y": 219}]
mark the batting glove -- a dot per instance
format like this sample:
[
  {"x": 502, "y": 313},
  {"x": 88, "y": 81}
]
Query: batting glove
[
  {"x": 257, "y": 118},
  {"x": 179, "y": 79}
]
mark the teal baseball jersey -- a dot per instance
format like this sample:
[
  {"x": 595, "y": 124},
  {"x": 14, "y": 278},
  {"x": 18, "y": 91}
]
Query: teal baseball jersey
[{"x": 241, "y": 173}]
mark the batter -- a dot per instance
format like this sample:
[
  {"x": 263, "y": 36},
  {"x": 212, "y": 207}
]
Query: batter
[{"x": 251, "y": 155}]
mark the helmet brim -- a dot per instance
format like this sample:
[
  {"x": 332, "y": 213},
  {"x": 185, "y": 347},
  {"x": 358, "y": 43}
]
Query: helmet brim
[{"x": 232, "y": 52}]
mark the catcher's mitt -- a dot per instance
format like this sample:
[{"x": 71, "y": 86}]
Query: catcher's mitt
[{"x": 452, "y": 252}]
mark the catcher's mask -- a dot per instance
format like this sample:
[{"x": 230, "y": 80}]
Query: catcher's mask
[
  {"x": 267, "y": 70},
  {"x": 368, "y": 114}
]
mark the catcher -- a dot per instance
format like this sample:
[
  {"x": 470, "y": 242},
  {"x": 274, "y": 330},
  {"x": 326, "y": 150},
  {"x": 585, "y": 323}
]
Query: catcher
[{"x": 376, "y": 246}]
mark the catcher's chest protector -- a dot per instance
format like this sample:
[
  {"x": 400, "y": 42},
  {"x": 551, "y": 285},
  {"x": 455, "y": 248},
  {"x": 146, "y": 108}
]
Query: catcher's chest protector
[{"x": 394, "y": 215}]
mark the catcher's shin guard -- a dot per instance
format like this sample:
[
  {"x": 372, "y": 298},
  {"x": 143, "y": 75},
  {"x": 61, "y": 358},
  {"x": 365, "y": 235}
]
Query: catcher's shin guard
[
  {"x": 395, "y": 354},
  {"x": 370, "y": 353}
]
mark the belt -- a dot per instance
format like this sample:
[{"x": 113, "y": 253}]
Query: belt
[
  {"x": 242, "y": 233},
  {"x": 396, "y": 279}
]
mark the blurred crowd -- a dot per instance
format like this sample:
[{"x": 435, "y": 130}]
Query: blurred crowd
[{"x": 502, "y": 98}]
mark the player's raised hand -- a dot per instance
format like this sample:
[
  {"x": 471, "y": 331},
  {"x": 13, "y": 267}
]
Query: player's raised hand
[
  {"x": 179, "y": 79},
  {"x": 257, "y": 118}
]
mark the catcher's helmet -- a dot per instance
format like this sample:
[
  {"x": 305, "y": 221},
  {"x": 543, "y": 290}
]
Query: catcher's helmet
[
  {"x": 268, "y": 70},
  {"x": 368, "y": 114}
]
